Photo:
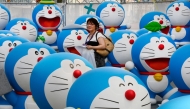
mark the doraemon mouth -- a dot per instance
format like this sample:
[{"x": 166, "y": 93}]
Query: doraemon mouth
[
  {"x": 165, "y": 30},
  {"x": 158, "y": 63},
  {"x": 49, "y": 22}
]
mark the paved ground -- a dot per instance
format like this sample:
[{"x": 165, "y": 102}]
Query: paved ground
[{"x": 154, "y": 106}]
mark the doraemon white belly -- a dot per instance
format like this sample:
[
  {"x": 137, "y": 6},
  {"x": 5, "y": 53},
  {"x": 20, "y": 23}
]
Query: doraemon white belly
[
  {"x": 157, "y": 86},
  {"x": 185, "y": 72},
  {"x": 50, "y": 39},
  {"x": 30, "y": 103},
  {"x": 108, "y": 32},
  {"x": 179, "y": 35}
]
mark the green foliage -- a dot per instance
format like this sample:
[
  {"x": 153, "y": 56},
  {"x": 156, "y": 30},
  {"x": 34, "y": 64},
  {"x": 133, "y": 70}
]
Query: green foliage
[{"x": 154, "y": 26}]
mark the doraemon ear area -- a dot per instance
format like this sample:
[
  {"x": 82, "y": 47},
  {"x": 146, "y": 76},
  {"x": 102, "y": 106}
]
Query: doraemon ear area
[
  {"x": 47, "y": 2},
  {"x": 153, "y": 26}
]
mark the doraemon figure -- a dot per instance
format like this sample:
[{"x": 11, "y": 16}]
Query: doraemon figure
[
  {"x": 112, "y": 14},
  {"x": 179, "y": 14},
  {"x": 18, "y": 68},
  {"x": 83, "y": 19},
  {"x": 50, "y": 83},
  {"x": 156, "y": 17},
  {"x": 151, "y": 54},
  {"x": 115, "y": 89},
  {"x": 72, "y": 38},
  {"x": 142, "y": 31},
  {"x": 5, "y": 16},
  {"x": 7, "y": 33},
  {"x": 48, "y": 17},
  {"x": 23, "y": 27},
  {"x": 123, "y": 41}
]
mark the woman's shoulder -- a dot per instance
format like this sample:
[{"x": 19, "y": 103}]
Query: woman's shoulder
[{"x": 99, "y": 34}]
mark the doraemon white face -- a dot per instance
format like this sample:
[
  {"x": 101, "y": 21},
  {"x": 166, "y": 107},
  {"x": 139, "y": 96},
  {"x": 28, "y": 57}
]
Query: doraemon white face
[
  {"x": 155, "y": 55},
  {"x": 4, "y": 18},
  {"x": 178, "y": 14},
  {"x": 4, "y": 34},
  {"x": 122, "y": 94},
  {"x": 48, "y": 18},
  {"x": 112, "y": 15},
  {"x": 5, "y": 48},
  {"x": 25, "y": 65},
  {"x": 25, "y": 29},
  {"x": 122, "y": 48},
  {"x": 185, "y": 72},
  {"x": 59, "y": 82}
]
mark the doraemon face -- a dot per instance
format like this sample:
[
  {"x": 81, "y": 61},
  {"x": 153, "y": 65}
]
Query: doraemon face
[
  {"x": 152, "y": 51},
  {"x": 56, "y": 80},
  {"x": 109, "y": 10},
  {"x": 7, "y": 33},
  {"x": 23, "y": 27},
  {"x": 179, "y": 13},
  {"x": 19, "y": 67},
  {"x": 123, "y": 41},
  {"x": 118, "y": 89},
  {"x": 47, "y": 17},
  {"x": 159, "y": 17},
  {"x": 4, "y": 16},
  {"x": 6, "y": 46},
  {"x": 82, "y": 20}
]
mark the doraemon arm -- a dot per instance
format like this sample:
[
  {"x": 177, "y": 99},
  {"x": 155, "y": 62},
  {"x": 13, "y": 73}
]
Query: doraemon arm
[
  {"x": 131, "y": 67},
  {"x": 122, "y": 27},
  {"x": 11, "y": 97}
]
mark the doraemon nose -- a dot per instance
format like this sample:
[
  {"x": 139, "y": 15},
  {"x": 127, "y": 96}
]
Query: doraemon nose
[
  {"x": 130, "y": 94},
  {"x": 177, "y": 8},
  {"x": 161, "y": 22},
  {"x": 79, "y": 37},
  {"x": 161, "y": 46},
  {"x": 77, "y": 73},
  {"x": 40, "y": 58},
  {"x": 49, "y": 11},
  {"x": 131, "y": 41},
  {"x": 113, "y": 9},
  {"x": 24, "y": 27},
  {"x": 10, "y": 49}
]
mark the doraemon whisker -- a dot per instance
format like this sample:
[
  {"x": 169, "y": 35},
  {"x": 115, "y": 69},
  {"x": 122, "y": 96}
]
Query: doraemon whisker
[
  {"x": 58, "y": 83},
  {"x": 4, "y": 18},
  {"x": 144, "y": 58},
  {"x": 105, "y": 16},
  {"x": 60, "y": 78},
  {"x": 120, "y": 13},
  {"x": 185, "y": 10},
  {"x": 149, "y": 48},
  {"x": 23, "y": 68},
  {"x": 108, "y": 100},
  {"x": 105, "y": 11},
  {"x": 2, "y": 61},
  {"x": 145, "y": 104},
  {"x": 187, "y": 67},
  {"x": 32, "y": 34},
  {"x": 122, "y": 44},
  {"x": 121, "y": 51},
  {"x": 148, "y": 52},
  {"x": 31, "y": 29},
  {"x": 184, "y": 15},
  {"x": 188, "y": 73},
  {"x": 59, "y": 90},
  {"x": 170, "y": 10},
  {"x": 15, "y": 29},
  {"x": 25, "y": 73},
  {"x": 144, "y": 97},
  {"x": 120, "y": 16},
  {"x": 2, "y": 57},
  {"x": 26, "y": 63},
  {"x": 2, "y": 54},
  {"x": 70, "y": 39},
  {"x": 171, "y": 52},
  {"x": 3, "y": 13},
  {"x": 169, "y": 55},
  {"x": 119, "y": 10}
]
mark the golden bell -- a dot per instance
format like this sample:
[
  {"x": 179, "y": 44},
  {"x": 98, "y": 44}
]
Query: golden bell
[
  {"x": 158, "y": 77},
  {"x": 49, "y": 32},
  {"x": 178, "y": 29},
  {"x": 112, "y": 29}
]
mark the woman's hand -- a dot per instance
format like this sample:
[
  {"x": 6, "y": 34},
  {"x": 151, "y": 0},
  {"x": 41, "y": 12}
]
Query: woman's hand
[{"x": 89, "y": 47}]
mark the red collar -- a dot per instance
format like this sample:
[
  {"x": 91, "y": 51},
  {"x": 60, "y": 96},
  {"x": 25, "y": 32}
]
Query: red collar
[
  {"x": 184, "y": 91},
  {"x": 180, "y": 26},
  {"x": 23, "y": 93},
  {"x": 40, "y": 30},
  {"x": 108, "y": 27},
  {"x": 118, "y": 65},
  {"x": 153, "y": 73}
]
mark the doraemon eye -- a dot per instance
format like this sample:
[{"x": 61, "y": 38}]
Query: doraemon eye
[
  {"x": 9, "y": 44},
  {"x": 78, "y": 65},
  {"x": 157, "y": 41},
  {"x": 42, "y": 52},
  {"x": 16, "y": 43},
  {"x": 76, "y": 33},
  {"x": 156, "y": 18},
  {"x": 71, "y": 66},
  {"x": 128, "y": 37},
  {"x": 181, "y": 4},
  {"x": 19, "y": 22},
  {"x": 80, "y": 32},
  {"x": 9, "y": 34},
  {"x": 73, "y": 32},
  {"x": 162, "y": 41},
  {"x": 45, "y": 7},
  {"x": 154, "y": 39},
  {"x": 121, "y": 84},
  {"x": 130, "y": 84},
  {"x": 115, "y": 5},
  {"x": 133, "y": 35},
  {"x": 36, "y": 52},
  {"x": 32, "y": 51},
  {"x": 109, "y": 5}
]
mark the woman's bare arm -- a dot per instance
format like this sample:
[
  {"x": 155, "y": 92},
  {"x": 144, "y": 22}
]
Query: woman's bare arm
[{"x": 101, "y": 45}]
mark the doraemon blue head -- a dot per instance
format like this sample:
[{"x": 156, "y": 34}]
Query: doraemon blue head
[
  {"x": 7, "y": 33},
  {"x": 177, "y": 103},
  {"x": 179, "y": 68},
  {"x": 5, "y": 16},
  {"x": 179, "y": 13},
  {"x": 50, "y": 83},
  {"x": 123, "y": 41},
  {"x": 142, "y": 31},
  {"x": 23, "y": 27},
  {"x": 71, "y": 37},
  {"x": 151, "y": 52},
  {"x": 47, "y": 16},
  {"x": 157, "y": 17},
  {"x": 108, "y": 88},
  {"x": 112, "y": 13},
  {"x": 21, "y": 61},
  {"x": 6, "y": 46},
  {"x": 83, "y": 19}
]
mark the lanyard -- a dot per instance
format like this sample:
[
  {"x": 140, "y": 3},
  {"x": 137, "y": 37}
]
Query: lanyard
[{"x": 90, "y": 38}]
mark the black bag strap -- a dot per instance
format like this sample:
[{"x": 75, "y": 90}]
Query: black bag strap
[{"x": 103, "y": 35}]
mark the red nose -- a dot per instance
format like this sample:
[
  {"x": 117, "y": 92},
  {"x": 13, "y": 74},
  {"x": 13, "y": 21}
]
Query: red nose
[
  {"x": 77, "y": 73},
  {"x": 161, "y": 22},
  {"x": 23, "y": 27},
  {"x": 40, "y": 58},
  {"x": 113, "y": 9},
  {"x": 130, "y": 94},
  {"x": 10, "y": 49},
  {"x": 79, "y": 37},
  {"x": 49, "y": 11},
  {"x": 161, "y": 46},
  {"x": 177, "y": 8},
  {"x": 131, "y": 41}
]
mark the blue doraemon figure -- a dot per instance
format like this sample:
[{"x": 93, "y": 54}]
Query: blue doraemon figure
[
  {"x": 151, "y": 54},
  {"x": 123, "y": 41},
  {"x": 82, "y": 20},
  {"x": 179, "y": 13},
  {"x": 112, "y": 14},
  {"x": 56, "y": 80},
  {"x": 5, "y": 16},
  {"x": 72, "y": 38},
  {"x": 48, "y": 17},
  {"x": 142, "y": 31},
  {"x": 156, "y": 17},
  {"x": 23, "y": 27},
  {"x": 18, "y": 69},
  {"x": 115, "y": 89},
  {"x": 7, "y": 33}
]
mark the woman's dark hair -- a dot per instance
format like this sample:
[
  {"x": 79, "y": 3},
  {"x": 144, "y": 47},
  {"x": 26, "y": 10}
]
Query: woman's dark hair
[{"x": 93, "y": 21}]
